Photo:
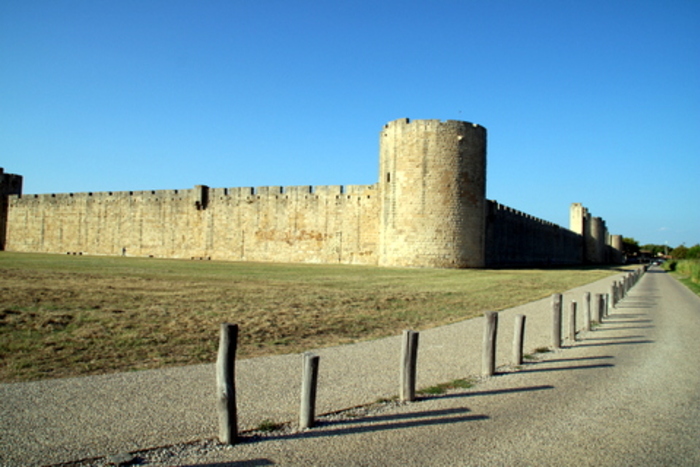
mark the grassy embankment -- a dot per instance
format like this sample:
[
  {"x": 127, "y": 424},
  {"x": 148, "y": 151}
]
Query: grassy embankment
[
  {"x": 67, "y": 316},
  {"x": 687, "y": 271}
]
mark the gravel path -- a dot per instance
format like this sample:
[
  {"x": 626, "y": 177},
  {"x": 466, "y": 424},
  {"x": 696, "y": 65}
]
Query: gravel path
[{"x": 624, "y": 394}]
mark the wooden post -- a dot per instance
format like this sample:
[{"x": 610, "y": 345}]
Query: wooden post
[
  {"x": 596, "y": 309},
  {"x": 613, "y": 295},
  {"x": 518, "y": 339},
  {"x": 409, "y": 359},
  {"x": 226, "y": 383},
  {"x": 488, "y": 358},
  {"x": 606, "y": 304},
  {"x": 309, "y": 383},
  {"x": 572, "y": 321},
  {"x": 601, "y": 306},
  {"x": 618, "y": 292},
  {"x": 587, "y": 311},
  {"x": 556, "y": 321}
]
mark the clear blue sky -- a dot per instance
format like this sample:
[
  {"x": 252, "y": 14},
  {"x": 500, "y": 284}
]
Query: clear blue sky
[{"x": 588, "y": 101}]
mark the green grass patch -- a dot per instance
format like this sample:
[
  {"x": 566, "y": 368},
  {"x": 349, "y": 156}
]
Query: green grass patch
[
  {"x": 66, "y": 315},
  {"x": 444, "y": 387},
  {"x": 268, "y": 426},
  {"x": 687, "y": 271},
  {"x": 538, "y": 350}
]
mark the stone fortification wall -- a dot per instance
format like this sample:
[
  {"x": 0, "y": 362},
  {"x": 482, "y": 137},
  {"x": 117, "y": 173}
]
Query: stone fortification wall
[
  {"x": 514, "y": 239},
  {"x": 433, "y": 187},
  {"x": 327, "y": 224},
  {"x": 428, "y": 209}
]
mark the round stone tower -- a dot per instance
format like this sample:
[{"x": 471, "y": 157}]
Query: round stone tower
[{"x": 432, "y": 182}]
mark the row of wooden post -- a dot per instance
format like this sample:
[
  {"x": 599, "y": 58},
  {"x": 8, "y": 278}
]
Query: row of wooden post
[
  {"x": 591, "y": 315},
  {"x": 225, "y": 364}
]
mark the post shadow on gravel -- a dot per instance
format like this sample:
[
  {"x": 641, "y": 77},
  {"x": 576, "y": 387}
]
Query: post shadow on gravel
[
  {"x": 568, "y": 368},
  {"x": 635, "y": 304},
  {"x": 612, "y": 338},
  {"x": 624, "y": 328},
  {"x": 604, "y": 344},
  {"x": 621, "y": 318},
  {"x": 248, "y": 463},
  {"x": 577, "y": 359},
  {"x": 494, "y": 392},
  {"x": 374, "y": 424}
]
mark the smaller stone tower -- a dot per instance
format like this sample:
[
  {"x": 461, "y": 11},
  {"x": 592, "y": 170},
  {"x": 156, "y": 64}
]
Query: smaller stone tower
[
  {"x": 596, "y": 241},
  {"x": 432, "y": 186},
  {"x": 10, "y": 184},
  {"x": 618, "y": 255},
  {"x": 597, "y": 244},
  {"x": 579, "y": 218}
]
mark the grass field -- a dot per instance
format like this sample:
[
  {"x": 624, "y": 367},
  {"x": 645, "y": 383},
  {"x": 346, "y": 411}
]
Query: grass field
[
  {"x": 687, "y": 271},
  {"x": 78, "y": 315}
]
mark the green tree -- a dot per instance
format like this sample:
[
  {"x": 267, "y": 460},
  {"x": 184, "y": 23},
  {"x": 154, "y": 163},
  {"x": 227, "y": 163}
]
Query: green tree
[
  {"x": 630, "y": 246},
  {"x": 654, "y": 249},
  {"x": 694, "y": 252},
  {"x": 680, "y": 252}
]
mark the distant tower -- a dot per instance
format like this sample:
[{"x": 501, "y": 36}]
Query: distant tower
[
  {"x": 579, "y": 218},
  {"x": 596, "y": 244},
  {"x": 10, "y": 184},
  {"x": 618, "y": 254},
  {"x": 596, "y": 240},
  {"x": 432, "y": 184}
]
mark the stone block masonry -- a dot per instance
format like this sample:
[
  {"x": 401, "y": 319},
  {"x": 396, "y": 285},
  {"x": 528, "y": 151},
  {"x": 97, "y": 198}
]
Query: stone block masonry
[
  {"x": 433, "y": 186},
  {"x": 428, "y": 209},
  {"x": 328, "y": 224}
]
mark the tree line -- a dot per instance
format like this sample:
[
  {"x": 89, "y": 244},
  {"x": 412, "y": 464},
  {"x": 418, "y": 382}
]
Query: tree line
[{"x": 632, "y": 248}]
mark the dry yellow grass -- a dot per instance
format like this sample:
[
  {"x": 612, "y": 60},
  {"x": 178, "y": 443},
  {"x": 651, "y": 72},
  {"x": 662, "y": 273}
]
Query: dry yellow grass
[{"x": 67, "y": 316}]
